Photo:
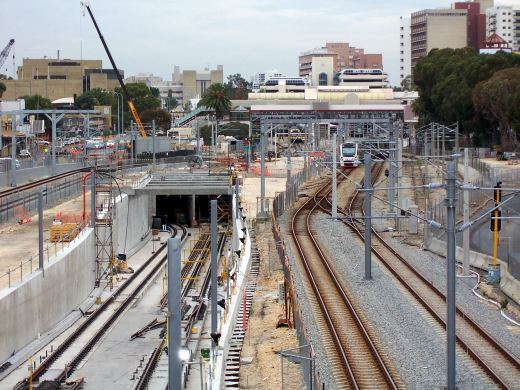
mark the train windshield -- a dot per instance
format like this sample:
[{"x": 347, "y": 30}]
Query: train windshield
[{"x": 348, "y": 150}]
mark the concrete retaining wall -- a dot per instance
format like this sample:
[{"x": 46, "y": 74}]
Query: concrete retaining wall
[
  {"x": 131, "y": 223},
  {"x": 508, "y": 284},
  {"x": 41, "y": 300}
]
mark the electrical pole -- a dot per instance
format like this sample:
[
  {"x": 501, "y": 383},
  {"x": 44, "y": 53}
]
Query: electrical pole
[
  {"x": 174, "y": 314},
  {"x": 391, "y": 168},
  {"x": 214, "y": 272},
  {"x": 153, "y": 144},
  {"x": 334, "y": 184},
  {"x": 368, "y": 216},
  {"x": 465, "y": 234},
  {"x": 262, "y": 171},
  {"x": 451, "y": 273}
]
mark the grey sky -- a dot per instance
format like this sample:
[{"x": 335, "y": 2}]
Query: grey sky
[{"x": 246, "y": 36}]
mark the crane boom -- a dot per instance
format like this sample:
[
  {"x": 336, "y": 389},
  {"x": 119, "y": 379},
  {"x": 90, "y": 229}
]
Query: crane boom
[
  {"x": 5, "y": 52},
  {"x": 121, "y": 82}
]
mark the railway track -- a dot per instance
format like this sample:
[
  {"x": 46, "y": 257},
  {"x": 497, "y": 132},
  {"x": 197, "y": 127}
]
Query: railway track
[
  {"x": 41, "y": 182},
  {"x": 499, "y": 363},
  {"x": 189, "y": 272},
  {"x": 100, "y": 320},
  {"x": 357, "y": 362}
]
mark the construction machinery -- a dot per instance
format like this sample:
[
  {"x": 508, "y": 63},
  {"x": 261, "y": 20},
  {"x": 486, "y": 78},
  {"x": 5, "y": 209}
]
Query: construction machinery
[
  {"x": 5, "y": 52},
  {"x": 137, "y": 120}
]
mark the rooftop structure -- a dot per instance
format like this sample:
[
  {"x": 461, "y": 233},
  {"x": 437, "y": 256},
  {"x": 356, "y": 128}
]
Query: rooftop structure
[
  {"x": 373, "y": 78},
  {"x": 332, "y": 58},
  {"x": 59, "y": 78}
]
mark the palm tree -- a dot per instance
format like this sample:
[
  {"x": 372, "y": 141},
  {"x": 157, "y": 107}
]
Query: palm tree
[{"x": 218, "y": 98}]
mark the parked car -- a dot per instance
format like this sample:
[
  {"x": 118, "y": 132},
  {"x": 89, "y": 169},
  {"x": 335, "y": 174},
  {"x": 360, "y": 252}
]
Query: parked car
[
  {"x": 24, "y": 153},
  {"x": 5, "y": 164}
]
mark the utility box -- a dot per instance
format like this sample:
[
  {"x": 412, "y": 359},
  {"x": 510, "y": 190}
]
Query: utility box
[{"x": 413, "y": 221}]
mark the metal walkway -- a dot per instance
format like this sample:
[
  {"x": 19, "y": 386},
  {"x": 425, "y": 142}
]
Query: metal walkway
[{"x": 232, "y": 369}]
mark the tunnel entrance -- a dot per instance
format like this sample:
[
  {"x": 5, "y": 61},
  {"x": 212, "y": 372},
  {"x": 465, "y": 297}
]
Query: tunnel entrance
[{"x": 178, "y": 208}]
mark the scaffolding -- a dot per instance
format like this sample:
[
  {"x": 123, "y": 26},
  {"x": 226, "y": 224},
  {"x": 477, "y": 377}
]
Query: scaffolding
[{"x": 105, "y": 214}]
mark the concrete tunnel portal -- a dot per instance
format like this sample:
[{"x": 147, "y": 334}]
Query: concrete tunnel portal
[{"x": 178, "y": 208}]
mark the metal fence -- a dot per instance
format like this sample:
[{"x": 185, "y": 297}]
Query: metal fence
[
  {"x": 479, "y": 201},
  {"x": 298, "y": 364}
]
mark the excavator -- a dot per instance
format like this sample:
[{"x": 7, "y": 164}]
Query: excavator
[{"x": 137, "y": 120}]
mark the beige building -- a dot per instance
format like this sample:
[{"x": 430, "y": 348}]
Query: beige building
[
  {"x": 338, "y": 55},
  {"x": 437, "y": 29},
  {"x": 58, "y": 78}
]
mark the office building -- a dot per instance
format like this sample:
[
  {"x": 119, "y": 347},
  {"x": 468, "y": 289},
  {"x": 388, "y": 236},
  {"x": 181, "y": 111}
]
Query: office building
[
  {"x": 462, "y": 25},
  {"x": 504, "y": 21},
  {"x": 58, "y": 78},
  {"x": 437, "y": 29},
  {"x": 185, "y": 85}
]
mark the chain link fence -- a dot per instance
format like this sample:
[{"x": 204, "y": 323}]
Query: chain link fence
[{"x": 480, "y": 201}]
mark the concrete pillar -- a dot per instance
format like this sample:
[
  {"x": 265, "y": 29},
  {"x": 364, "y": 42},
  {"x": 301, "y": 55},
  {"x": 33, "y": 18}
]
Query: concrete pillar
[{"x": 192, "y": 211}]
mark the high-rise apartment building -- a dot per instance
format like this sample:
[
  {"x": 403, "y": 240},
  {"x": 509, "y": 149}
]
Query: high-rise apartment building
[
  {"x": 462, "y": 25},
  {"x": 476, "y": 22},
  {"x": 321, "y": 64},
  {"x": 437, "y": 29},
  {"x": 505, "y": 22},
  {"x": 405, "y": 59}
]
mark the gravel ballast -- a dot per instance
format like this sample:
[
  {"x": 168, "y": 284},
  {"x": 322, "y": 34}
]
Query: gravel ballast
[{"x": 412, "y": 340}]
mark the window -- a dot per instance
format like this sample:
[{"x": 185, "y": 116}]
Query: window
[{"x": 322, "y": 79}]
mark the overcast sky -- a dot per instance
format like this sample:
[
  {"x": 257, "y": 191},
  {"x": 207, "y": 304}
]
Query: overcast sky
[{"x": 245, "y": 36}]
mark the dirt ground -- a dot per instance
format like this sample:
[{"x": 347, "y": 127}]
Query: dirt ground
[
  {"x": 20, "y": 242},
  {"x": 263, "y": 341}
]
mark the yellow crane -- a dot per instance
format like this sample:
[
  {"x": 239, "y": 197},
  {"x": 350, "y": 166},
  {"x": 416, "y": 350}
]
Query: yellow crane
[{"x": 121, "y": 82}]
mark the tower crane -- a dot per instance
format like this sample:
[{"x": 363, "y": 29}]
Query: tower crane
[
  {"x": 121, "y": 82},
  {"x": 5, "y": 52}
]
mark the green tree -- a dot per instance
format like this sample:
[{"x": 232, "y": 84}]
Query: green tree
[
  {"x": 496, "y": 99},
  {"x": 37, "y": 102},
  {"x": 406, "y": 84},
  {"x": 95, "y": 97},
  {"x": 162, "y": 117},
  {"x": 446, "y": 79},
  {"x": 238, "y": 86},
  {"x": 142, "y": 96},
  {"x": 171, "y": 102},
  {"x": 2, "y": 89},
  {"x": 217, "y": 97}
]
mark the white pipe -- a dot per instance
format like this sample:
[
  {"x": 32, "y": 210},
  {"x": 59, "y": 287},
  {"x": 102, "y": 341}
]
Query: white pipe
[{"x": 473, "y": 290}]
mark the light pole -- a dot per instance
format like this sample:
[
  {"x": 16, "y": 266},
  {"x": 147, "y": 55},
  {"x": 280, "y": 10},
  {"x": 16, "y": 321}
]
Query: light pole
[{"x": 119, "y": 110}]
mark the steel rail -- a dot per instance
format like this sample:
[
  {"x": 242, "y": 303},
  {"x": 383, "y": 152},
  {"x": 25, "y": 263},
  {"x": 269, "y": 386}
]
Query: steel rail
[
  {"x": 352, "y": 376},
  {"x": 47, "y": 363},
  {"x": 154, "y": 358},
  {"x": 406, "y": 281}
]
